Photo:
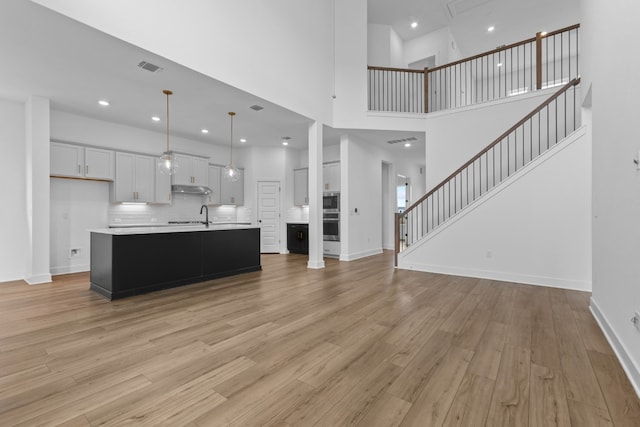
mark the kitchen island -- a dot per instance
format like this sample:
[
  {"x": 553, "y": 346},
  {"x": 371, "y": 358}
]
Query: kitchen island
[{"x": 131, "y": 261}]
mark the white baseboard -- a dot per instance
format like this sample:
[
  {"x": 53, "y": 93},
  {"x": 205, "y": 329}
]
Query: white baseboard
[
  {"x": 553, "y": 282},
  {"x": 315, "y": 264},
  {"x": 629, "y": 366},
  {"x": 11, "y": 278},
  {"x": 358, "y": 255},
  {"x": 38, "y": 279},
  {"x": 68, "y": 269}
]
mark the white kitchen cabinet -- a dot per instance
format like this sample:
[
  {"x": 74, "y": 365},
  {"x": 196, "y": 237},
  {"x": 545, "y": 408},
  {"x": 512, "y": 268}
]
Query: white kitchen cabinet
[
  {"x": 76, "y": 161},
  {"x": 215, "y": 173},
  {"x": 163, "y": 193},
  {"x": 99, "y": 163},
  {"x": 232, "y": 193},
  {"x": 191, "y": 170},
  {"x": 301, "y": 187},
  {"x": 135, "y": 176},
  {"x": 331, "y": 177}
]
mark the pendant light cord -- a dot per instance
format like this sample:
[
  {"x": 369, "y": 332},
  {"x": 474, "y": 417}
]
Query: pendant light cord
[
  {"x": 167, "y": 92},
  {"x": 231, "y": 113}
]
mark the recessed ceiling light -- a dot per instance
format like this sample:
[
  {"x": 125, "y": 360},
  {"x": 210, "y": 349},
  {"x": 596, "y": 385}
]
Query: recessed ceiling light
[
  {"x": 285, "y": 143},
  {"x": 544, "y": 33},
  {"x": 155, "y": 118},
  {"x": 491, "y": 28},
  {"x": 103, "y": 102},
  {"x": 205, "y": 131},
  {"x": 414, "y": 24},
  {"x": 243, "y": 140},
  {"x": 499, "y": 64},
  {"x": 407, "y": 144}
]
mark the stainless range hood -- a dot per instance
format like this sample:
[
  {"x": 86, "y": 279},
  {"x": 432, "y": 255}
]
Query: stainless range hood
[{"x": 191, "y": 189}]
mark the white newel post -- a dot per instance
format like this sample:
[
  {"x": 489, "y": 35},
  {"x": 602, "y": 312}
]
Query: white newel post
[
  {"x": 316, "y": 251},
  {"x": 37, "y": 189}
]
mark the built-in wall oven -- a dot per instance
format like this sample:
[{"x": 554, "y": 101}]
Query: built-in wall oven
[
  {"x": 331, "y": 217},
  {"x": 331, "y": 227},
  {"x": 331, "y": 202}
]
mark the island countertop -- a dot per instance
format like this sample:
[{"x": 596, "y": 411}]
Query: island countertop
[{"x": 171, "y": 229}]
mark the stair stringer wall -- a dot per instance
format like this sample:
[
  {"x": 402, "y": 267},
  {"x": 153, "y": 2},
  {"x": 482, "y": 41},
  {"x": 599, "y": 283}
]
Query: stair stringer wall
[{"x": 534, "y": 228}]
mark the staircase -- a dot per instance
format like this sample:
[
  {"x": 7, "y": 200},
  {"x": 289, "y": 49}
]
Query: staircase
[{"x": 539, "y": 131}]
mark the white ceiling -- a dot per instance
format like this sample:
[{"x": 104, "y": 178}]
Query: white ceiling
[{"x": 468, "y": 20}]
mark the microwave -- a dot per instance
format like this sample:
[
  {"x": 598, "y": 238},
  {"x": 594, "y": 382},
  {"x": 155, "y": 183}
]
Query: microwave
[{"x": 331, "y": 202}]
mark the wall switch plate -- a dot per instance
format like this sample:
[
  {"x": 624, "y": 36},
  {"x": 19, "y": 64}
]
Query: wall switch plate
[
  {"x": 636, "y": 320},
  {"x": 74, "y": 252}
]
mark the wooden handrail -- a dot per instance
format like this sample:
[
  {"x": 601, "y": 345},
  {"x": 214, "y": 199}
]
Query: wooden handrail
[
  {"x": 502, "y": 48},
  {"x": 407, "y": 70},
  {"x": 564, "y": 88}
]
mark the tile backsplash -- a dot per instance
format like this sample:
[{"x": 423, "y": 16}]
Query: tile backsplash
[
  {"x": 185, "y": 207},
  {"x": 298, "y": 214}
]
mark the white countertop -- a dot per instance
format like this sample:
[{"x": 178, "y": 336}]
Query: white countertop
[{"x": 170, "y": 229}]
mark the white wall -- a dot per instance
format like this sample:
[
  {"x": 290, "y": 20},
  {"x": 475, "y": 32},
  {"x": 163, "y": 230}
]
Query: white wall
[
  {"x": 13, "y": 214},
  {"x": 361, "y": 208},
  {"x": 534, "y": 228},
  {"x": 396, "y": 48},
  {"x": 439, "y": 43},
  {"x": 384, "y": 47},
  {"x": 616, "y": 182},
  {"x": 76, "y": 206},
  {"x": 378, "y": 45},
  {"x": 288, "y": 43},
  {"x": 454, "y": 136}
]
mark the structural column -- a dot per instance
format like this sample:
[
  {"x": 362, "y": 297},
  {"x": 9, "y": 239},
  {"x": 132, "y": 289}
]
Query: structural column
[
  {"x": 37, "y": 189},
  {"x": 316, "y": 259}
]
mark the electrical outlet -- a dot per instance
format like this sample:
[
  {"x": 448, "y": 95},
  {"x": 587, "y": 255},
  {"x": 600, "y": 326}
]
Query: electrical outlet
[
  {"x": 74, "y": 252},
  {"x": 489, "y": 254}
]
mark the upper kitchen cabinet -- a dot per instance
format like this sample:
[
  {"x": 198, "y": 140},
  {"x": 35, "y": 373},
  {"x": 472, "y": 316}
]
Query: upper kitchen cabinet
[
  {"x": 76, "y": 161},
  {"x": 134, "y": 178},
  {"x": 232, "y": 193},
  {"x": 215, "y": 172},
  {"x": 163, "y": 193},
  {"x": 191, "y": 170},
  {"x": 301, "y": 187},
  {"x": 331, "y": 177}
]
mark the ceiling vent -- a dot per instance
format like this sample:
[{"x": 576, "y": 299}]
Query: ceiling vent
[
  {"x": 149, "y": 66},
  {"x": 256, "y": 107},
  {"x": 397, "y": 141}
]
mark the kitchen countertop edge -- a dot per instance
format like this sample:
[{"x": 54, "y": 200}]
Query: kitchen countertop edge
[{"x": 170, "y": 229}]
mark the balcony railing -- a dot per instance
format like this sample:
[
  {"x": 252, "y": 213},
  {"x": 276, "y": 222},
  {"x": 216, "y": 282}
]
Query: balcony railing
[{"x": 546, "y": 60}]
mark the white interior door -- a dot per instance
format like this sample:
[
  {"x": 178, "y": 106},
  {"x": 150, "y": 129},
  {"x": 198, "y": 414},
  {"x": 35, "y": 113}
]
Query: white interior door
[{"x": 269, "y": 216}]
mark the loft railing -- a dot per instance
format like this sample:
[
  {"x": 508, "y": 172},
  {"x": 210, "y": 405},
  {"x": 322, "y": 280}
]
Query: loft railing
[
  {"x": 538, "y": 131},
  {"x": 546, "y": 60}
]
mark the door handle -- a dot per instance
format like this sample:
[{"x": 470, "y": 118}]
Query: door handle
[{"x": 260, "y": 221}]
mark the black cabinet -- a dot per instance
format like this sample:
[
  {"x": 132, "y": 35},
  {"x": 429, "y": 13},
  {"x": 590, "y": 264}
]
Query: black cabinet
[
  {"x": 125, "y": 265},
  {"x": 298, "y": 238}
]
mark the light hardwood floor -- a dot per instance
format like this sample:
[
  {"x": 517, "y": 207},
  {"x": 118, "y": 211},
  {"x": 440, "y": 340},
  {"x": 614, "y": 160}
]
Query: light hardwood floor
[{"x": 356, "y": 343}]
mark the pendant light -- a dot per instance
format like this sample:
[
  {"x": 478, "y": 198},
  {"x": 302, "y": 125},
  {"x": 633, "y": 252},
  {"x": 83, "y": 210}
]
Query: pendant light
[
  {"x": 230, "y": 171},
  {"x": 166, "y": 163}
]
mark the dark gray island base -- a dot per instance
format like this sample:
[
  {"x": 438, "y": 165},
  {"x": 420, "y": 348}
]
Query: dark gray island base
[{"x": 130, "y": 262}]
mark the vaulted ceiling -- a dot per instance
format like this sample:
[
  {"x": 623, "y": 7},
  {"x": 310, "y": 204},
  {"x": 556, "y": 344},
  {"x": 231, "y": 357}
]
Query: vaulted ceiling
[{"x": 514, "y": 20}]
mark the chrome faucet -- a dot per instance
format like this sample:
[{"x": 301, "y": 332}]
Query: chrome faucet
[{"x": 206, "y": 208}]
